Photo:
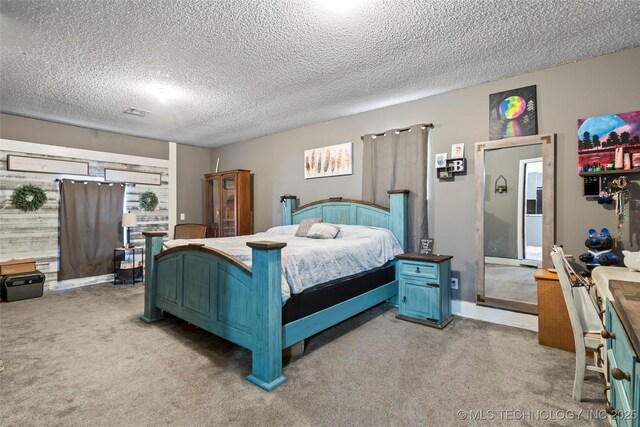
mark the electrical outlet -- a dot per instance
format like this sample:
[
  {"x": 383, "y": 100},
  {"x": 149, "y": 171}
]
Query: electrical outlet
[
  {"x": 181, "y": 217},
  {"x": 454, "y": 283}
]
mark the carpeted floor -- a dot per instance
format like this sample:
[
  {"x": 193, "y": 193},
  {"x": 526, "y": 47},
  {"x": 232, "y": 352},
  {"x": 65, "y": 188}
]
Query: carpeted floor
[{"x": 82, "y": 357}]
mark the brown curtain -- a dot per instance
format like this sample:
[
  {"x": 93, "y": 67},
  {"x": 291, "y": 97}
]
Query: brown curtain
[
  {"x": 397, "y": 159},
  {"x": 90, "y": 216}
]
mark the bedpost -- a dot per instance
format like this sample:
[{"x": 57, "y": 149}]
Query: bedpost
[
  {"x": 398, "y": 220},
  {"x": 152, "y": 247},
  {"x": 266, "y": 268},
  {"x": 289, "y": 203}
]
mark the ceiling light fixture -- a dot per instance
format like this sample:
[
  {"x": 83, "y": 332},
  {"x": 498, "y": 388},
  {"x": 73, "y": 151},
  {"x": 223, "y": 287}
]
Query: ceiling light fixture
[
  {"x": 341, "y": 6},
  {"x": 163, "y": 93}
]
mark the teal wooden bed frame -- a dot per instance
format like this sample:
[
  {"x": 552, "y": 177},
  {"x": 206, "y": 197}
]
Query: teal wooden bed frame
[{"x": 220, "y": 294}]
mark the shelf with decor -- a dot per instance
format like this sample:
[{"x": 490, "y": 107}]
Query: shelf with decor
[
  {"x": 610, "y": 172},
  {"x": 452, "y": 167},
  {"x": 593, "y": 183},
  {"x": 128, "y": 265}
]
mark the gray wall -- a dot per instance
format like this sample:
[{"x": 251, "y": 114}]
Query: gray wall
[
  {"x": 606, "y": 84},
  {"x": 192, "y": 164},
  {"x": 44, "y": 132},
  {"x": 501, "y": 210}
]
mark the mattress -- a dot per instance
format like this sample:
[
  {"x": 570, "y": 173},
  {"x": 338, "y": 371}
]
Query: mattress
[
  {"x": 309, "y": 262},
  {"x": 328, "y": 294}
]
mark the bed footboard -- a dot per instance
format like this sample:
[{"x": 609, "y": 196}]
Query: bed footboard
[{"x": 221, "y": 295}]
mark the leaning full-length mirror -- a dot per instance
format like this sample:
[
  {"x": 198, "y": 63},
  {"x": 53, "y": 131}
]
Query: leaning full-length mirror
[{"x": 515, "y": 213}]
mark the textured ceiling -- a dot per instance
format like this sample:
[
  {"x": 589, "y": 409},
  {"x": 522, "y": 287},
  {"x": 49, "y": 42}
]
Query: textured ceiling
[{"x": 236, "y": 70}]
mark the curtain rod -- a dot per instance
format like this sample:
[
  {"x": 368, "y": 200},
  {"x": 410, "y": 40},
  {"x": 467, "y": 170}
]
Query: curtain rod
[
  {"x": 423, "y": 125},
  {"x": 124, "y": 184}
]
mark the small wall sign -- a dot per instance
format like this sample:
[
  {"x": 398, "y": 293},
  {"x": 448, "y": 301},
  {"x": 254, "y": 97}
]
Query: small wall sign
[
  {"x": 426, "y": 246},
  {"x": 118, "y": 175}
]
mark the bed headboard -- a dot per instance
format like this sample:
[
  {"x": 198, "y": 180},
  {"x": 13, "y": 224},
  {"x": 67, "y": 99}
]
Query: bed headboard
[{"x": 353, "y": 212}]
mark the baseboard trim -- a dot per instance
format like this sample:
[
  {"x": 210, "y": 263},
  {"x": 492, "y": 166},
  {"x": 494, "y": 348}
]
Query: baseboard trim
[
  {"x": 84, "y": 281},
  {"x": 494, "y": 315}
]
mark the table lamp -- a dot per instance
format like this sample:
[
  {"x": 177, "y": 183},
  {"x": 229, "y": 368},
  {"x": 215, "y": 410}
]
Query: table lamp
[{"x": 129, "y": 220}]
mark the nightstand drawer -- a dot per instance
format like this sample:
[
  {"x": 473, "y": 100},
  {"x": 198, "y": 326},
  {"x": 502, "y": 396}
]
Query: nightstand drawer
[{"x": 419, "y": 270}]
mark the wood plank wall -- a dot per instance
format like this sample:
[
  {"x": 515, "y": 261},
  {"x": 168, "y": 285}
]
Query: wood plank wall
[{"x": 35, "y": 234}]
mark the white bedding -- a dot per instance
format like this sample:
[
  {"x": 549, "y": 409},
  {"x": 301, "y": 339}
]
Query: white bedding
[{"x": 309, "y": 262}]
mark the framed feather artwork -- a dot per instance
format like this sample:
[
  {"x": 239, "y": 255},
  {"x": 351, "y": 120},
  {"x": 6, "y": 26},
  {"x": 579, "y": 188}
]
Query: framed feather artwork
[{"x": 332, "y": 160}]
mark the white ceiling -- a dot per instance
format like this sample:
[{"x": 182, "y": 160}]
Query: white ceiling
[{"x": 242, "y": 69}]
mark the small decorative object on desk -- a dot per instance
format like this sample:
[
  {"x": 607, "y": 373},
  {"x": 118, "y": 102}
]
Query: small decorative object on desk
[
  {"x": 632, "y": 260},
  {"x": 426, "y": 246},
  {"x": 599, "y": 245}
]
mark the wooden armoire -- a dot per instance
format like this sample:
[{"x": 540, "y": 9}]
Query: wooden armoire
[{"x": 228, "y": 203}]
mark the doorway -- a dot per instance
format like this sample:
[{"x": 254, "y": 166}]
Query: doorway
[{"x": 530, "y": 212}]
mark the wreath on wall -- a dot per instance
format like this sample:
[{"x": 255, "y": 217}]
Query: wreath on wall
[
  {"x": 148, "y": 201},
  {"x": 28, "y": 198}
]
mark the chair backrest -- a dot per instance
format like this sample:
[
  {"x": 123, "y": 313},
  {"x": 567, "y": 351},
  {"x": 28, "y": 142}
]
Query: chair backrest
[
  {"x": 565, "y": 284},
  {"x": 582, "y": 313},
  {"x": 190, "y": 231}
]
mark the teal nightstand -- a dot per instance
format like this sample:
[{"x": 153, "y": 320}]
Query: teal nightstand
[{"x": 424, "y": 289}]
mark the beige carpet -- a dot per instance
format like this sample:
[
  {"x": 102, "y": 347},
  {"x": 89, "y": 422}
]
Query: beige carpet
[{"x": 82, "y": 357}]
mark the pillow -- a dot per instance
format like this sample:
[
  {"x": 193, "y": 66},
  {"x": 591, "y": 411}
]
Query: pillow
[
  {"x": 323, "y": 231},
  {"x": 305, "y": 226}
]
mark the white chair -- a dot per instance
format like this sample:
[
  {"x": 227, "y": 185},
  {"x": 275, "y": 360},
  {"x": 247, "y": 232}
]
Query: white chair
[{"x": 585, "y": 321}]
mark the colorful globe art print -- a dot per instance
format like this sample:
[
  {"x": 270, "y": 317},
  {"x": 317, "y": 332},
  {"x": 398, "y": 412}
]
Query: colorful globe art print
[
  {"x": 600, "y": 136},
  {"x": 513, "y": 113},
  {"x": 512, "y": 107}
]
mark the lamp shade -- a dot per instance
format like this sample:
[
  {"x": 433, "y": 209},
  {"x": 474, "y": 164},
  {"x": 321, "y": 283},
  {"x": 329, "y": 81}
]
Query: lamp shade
[{"x": 129, "y": 220}]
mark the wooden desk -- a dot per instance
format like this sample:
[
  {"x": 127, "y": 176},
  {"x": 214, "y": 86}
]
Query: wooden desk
[{"x": 554, "y": 325}]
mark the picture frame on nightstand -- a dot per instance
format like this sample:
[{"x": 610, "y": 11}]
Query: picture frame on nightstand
[{"x": 426, "y": 246}]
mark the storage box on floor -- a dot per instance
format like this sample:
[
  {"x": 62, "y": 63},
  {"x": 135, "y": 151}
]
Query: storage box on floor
[
  {"x": 15, "y": 266},
  {"x": 20, "y": 280}
]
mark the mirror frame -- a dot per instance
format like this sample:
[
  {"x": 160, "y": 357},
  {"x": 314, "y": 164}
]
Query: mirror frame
[{"x": 548, "y": 142}]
